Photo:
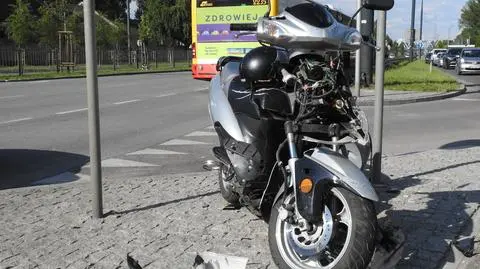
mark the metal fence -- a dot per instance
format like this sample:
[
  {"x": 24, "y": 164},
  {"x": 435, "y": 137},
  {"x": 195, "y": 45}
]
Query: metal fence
[{"x": 42, "y": 59}]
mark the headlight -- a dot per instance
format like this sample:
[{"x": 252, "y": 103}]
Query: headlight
[{"x": 354, "y": 39}]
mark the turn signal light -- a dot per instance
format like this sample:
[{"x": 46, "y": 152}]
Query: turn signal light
[{"x": 306, "y": 185}]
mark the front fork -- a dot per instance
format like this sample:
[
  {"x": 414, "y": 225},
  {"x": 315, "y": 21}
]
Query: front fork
[{"x": 309, "y": 205}]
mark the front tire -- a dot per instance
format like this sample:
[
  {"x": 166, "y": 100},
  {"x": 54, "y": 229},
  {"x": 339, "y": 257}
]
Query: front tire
[{"x": 351, "y": 227}]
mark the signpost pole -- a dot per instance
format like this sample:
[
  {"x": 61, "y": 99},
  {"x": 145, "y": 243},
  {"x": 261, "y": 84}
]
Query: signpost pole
[
  {"x": 379, "y": 95},
  {"x": 357, "y": 54},
  {"x": 93, "y": 108}
]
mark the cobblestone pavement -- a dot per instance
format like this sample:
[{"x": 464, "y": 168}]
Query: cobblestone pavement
[{"x": 163, "y": 220}]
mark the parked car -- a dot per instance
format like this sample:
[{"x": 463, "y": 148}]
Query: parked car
[
  {"x": 468, "y": 61},
  {"x": 438, "y": 59},
  {"x": 428, "y": 57},
  {"x": 435, "y": 53},
  {"x": 450, "y": 57}
]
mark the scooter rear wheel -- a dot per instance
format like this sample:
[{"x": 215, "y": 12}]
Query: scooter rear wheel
[{"x": 226, "y": 186}]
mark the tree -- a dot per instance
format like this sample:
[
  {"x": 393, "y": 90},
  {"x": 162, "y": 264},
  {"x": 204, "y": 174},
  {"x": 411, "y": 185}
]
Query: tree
[
  {"x": 470, "y": 21},
  {"x": 49, "y": 24},
  {"x": 19, "y": 24},
  {"x": 113, "y": 9},
  {"x": 442, "y": 44},
  {"x": 108, "y": 34},
  {"x": 166, "y": 23},
  {"x": 140, "y": 8},
  {"x": 401, "y": 49}
]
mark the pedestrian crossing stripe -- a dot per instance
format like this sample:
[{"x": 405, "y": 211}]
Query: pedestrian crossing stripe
[
  {"x": 178, "y": 142},
  {"x": 150, "y": 151},
  {"x": 199, "y": 133},
  {"x": 114, "y": 162}
]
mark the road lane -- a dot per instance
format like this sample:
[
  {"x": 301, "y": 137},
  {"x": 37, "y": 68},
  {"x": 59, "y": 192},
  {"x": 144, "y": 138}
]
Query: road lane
[{"x": 64, "y": 95}]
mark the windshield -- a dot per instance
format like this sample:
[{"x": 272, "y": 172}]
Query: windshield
[
  {"x": 471, "y": 53},
  {"x": 454, "y": 52},
  {"x": 312, "y": 12}
]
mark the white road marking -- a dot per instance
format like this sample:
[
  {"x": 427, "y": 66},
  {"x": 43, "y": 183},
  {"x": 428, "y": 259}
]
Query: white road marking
[
  {"x": 210, "y": 128},
  {"x": 62, "y": 178},
  {"x": 165, "y": 95},
  {"x": 200, "y": 90},
  {"x": 126, "y": 102},
  {"x": 71, "y": 111},
  {"x": 199, "y": 133},
  {"x": 113, "y": 162},
  {"x": 12, "y": 96},
  {"x": 466, "y": 99},
  {"x": 17, "y": 120},
  {"x": 156, "y": 152},
  {"x": 178, "y": 142}
]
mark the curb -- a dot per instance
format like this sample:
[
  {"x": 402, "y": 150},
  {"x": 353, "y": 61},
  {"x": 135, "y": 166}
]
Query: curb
[
  {"x": 103, "y": 75},
  {"x": 435, "y": 97}
]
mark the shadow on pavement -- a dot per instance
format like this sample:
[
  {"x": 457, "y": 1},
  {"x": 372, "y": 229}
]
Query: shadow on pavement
[
  {"x": 441, "y": 217},
  {"x": 113, "y": 212},
  {"x": 462, "y": 144},
  {"x": 25, "y": 167}
]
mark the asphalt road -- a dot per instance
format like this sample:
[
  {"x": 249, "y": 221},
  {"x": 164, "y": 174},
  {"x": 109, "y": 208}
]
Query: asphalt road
[{"x": 43, "y": 126}]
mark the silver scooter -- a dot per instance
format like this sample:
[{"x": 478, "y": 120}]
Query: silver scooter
[{"x": 293, "y": 143}]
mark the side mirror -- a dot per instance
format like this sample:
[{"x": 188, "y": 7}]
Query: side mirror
[{"x": 378, "y": 4}]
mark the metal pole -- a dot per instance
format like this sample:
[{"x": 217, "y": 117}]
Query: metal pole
[
  {"x": 93, "y": 110},
  {"x": 128, "y": 32},
  {"x": 357, "y": 54},
  {"x": 366, "y": 52},
  {"x": 421, "y": 29},
  {"x": 421, "y": 23},
  {"x": 379, "y": 79},
  {"x": 412, "y": 31}
]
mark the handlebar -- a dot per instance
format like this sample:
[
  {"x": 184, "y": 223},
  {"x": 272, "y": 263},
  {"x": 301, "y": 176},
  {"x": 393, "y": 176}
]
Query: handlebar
[{"x": 243, "y": 27}]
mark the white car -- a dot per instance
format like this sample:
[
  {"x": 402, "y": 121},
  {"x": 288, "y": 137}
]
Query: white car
[
  {"x": 438, "y": 60},
  {"x": 435, "y": 53}
]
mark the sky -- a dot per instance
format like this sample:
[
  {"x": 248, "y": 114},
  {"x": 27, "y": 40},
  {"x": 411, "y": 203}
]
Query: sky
[{"x": 440, "y": 17}]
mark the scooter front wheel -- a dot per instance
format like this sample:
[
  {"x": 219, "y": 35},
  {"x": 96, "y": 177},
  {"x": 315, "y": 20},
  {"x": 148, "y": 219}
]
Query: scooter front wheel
[{"x": 345, "y": 239}]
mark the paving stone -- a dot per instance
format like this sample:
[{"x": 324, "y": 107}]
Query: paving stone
[{"x": 163, "y": 220}]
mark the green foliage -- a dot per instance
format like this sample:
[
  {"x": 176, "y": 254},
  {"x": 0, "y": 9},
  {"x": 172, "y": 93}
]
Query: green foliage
[
  {"x": 48, "y": 25},
  {"x": 75, "y": 24},
  {"x": 113, "y": 9},
  {"x": 470, "y": 21},
  {"x": 19, "y": 24},
  {"x": 166, "y": 22},
  {"x": 442, "y": 44},
  {"x": 401, "y": 49},
  {"x": 108, "y": 34}
]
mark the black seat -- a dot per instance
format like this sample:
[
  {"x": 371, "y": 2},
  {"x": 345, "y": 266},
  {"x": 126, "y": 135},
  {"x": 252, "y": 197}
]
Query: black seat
[{"x": 238, "y": 93}]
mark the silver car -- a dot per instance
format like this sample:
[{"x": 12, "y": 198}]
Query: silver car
[
  {"x": 438, "y": 60},
  {"x": 469, "y": 61}
]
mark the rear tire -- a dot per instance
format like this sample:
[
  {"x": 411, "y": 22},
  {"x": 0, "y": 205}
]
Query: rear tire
[
  {"x": 226, "y": 187},
  {"x": 354, "y": 253}
]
